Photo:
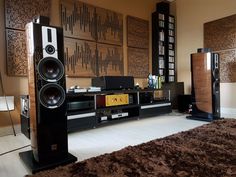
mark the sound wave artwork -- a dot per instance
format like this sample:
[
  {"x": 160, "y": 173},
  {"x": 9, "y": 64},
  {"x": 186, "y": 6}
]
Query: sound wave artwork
[
  {"x": 109, "y": 26},
  {"x": 78, "y": 20},
  {"x": 80, "y": 57},
  {"x": 84, "y": 21},
  {"x": 110, "y": 60},
  {"x": 93, "y": 40}
]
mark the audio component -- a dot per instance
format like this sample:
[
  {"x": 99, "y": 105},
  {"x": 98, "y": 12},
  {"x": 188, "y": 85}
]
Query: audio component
[
  {"x": 112, "y": 100},
  {"x": 119, "y": 115},
  {"x": 24, "y": 115},
  {"x": 113, "y": 82},
  {"x": 47, "y": 95},
  {"x": 80, "y": 105},
  {"x": 205, "y": 85},
  {"x": 146, "y": 97},
  {"x": 24, "y": 104}
]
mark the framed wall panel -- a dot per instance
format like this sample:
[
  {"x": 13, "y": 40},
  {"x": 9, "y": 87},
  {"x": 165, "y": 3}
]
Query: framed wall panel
[
  {"x": 228, "y": 66},
  {"x": 138, "y": 62},
  {"x": 220, "y": 36},
  {"x": 137, "y": 32},
  {"x": 17, "y": 15},
  {"x": 109, "y": 26},
  {"x": 110, "y": 60},
  {"x": 80, "y": 58},
  {"x": 16, "y": 53},
  {"x": 78, "y": 19}
]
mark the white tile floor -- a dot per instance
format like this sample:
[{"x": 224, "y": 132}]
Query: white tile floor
[{"x": 94, "y": 142}]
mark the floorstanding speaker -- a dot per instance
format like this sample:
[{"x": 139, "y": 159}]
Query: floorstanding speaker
[
  {"x": 47, "y": 93},
  {"x": 205, "y": 85}
]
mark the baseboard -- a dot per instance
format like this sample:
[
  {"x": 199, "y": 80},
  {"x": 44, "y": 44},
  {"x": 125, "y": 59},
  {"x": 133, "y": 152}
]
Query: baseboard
[{"x": 228, "y": 112}]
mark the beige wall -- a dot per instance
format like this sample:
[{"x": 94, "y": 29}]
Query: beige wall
[
  {"x": 191, "y": 15},
  {"x": 19, "y": 85}
]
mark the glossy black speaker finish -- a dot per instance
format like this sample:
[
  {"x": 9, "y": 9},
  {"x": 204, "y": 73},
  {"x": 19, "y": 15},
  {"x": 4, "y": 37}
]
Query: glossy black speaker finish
[
  {"x": 47, "y": 92},
  {"x": 205, "y": 85}
]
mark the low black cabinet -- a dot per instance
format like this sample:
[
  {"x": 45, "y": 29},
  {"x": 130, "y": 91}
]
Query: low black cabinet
[{"x": 88, "y": 109}]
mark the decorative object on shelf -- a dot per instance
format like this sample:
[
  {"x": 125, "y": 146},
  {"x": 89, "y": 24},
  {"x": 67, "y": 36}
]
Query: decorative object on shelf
[
  {"x": 138, "y": 47},
  {"x": 163, "y": 43},
  {"x": 154, "y": 81},
  {"x": 96, "y": 35},
  {"x": 17, "y": 14},
  {"x": 220, "y": 36}
]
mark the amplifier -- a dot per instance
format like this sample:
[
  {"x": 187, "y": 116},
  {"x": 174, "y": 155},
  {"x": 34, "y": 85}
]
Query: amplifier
[
  {"x": 113, "y": 82},
  {"x": 80, "y": 105},
  {"x": 112, "y": 100}
]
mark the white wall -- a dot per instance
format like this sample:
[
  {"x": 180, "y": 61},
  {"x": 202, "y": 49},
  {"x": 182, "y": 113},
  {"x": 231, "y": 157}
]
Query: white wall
[{"x": 191, "y": 15}]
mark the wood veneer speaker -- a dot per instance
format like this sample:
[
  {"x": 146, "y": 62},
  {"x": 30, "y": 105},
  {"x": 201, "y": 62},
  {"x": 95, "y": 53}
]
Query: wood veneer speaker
[
  {"x": 47, "y": 92},
  {"x": 205, "y": 85}
]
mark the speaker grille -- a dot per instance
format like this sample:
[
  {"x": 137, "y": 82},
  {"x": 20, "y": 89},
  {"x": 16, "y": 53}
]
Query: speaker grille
[
  {"x": 52, "y": 96},
  {"x": 50, "y": 69}
]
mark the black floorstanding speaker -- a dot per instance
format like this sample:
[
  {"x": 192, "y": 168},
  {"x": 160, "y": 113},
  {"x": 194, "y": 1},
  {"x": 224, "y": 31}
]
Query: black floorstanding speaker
[
  {"x": 205, "y": 85},
  {"x": 47, "y": 97}
]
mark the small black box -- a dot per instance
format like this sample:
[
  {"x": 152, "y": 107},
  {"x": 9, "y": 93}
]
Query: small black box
[{"x": 113, "y": 82}]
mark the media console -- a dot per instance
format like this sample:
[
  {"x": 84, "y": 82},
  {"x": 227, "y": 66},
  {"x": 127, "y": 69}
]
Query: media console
[
  {"x": 93, "y": 109},
  {"x": 98, "y": 108}
]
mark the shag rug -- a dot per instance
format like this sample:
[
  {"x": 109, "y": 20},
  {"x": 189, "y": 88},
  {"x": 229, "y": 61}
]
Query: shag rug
[{"x": 206, "y": 151}]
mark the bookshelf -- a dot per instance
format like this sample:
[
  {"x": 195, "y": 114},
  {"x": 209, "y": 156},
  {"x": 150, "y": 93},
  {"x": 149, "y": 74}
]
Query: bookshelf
[{"x": 163, "y": 43}]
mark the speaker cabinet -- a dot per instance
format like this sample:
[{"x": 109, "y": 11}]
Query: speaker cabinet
[
  {"x": 47, "y": 92},
  {"x": 205, "y": 85}
]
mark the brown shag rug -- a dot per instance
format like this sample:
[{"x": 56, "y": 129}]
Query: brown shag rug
[{"x": 206, "y": 151}]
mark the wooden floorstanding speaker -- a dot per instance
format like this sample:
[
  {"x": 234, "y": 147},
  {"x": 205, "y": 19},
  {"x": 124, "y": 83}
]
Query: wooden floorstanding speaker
[
  {"x": 47, "y": 93},
  {"x": 205, "y": 85}
]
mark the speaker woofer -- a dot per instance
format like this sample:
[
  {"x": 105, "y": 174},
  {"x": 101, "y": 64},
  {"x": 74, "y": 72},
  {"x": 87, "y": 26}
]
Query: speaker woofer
[
  {"x": 52, "y": 96},
  {"x": 50, "y": 69}
]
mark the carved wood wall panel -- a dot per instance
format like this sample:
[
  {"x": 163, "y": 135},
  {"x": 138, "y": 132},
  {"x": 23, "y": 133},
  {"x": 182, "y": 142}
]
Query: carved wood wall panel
[
  {"x": 110, "y": 60},
  {"x": 78, "y": 20},
  {"x": 109, "y": 27},
  {"x": 17, "y": 15},
  {"x": 220, "y": 36},
  {"x": 138, "y": 62},
  {"x": 17, "y": 63},
  {"x": 138, "y": 47},
  {"x": 80, "y": 58},
  {"x": 137, "y": 32},
  {"x": 90, "y": 23}
]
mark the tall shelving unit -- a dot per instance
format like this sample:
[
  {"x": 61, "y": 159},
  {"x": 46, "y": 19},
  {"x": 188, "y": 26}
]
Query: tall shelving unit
[{"x": 163, "y": 43}]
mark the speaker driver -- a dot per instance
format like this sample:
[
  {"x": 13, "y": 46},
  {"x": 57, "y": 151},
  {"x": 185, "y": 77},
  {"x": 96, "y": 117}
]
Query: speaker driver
[
  {"x": 52, "y": 96},
  {"x": 216, "y": 74},
  {"x": 50, "y": 69}
]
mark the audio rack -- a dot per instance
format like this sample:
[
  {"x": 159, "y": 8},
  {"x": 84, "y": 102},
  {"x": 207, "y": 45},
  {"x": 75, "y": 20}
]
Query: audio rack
[{"x": 84, "y": 111}]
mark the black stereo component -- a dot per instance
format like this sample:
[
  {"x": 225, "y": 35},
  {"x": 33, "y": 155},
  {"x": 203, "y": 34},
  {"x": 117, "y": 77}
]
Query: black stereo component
[
  {"x": 80, "y": 105},
  {"x": 205, "y": 85},
  {"x": 184, "y": 103},
  {"x": 113, "y": 82},
  {"x": 47, "y": 93},
  {"x": 146, "y": 97}
]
